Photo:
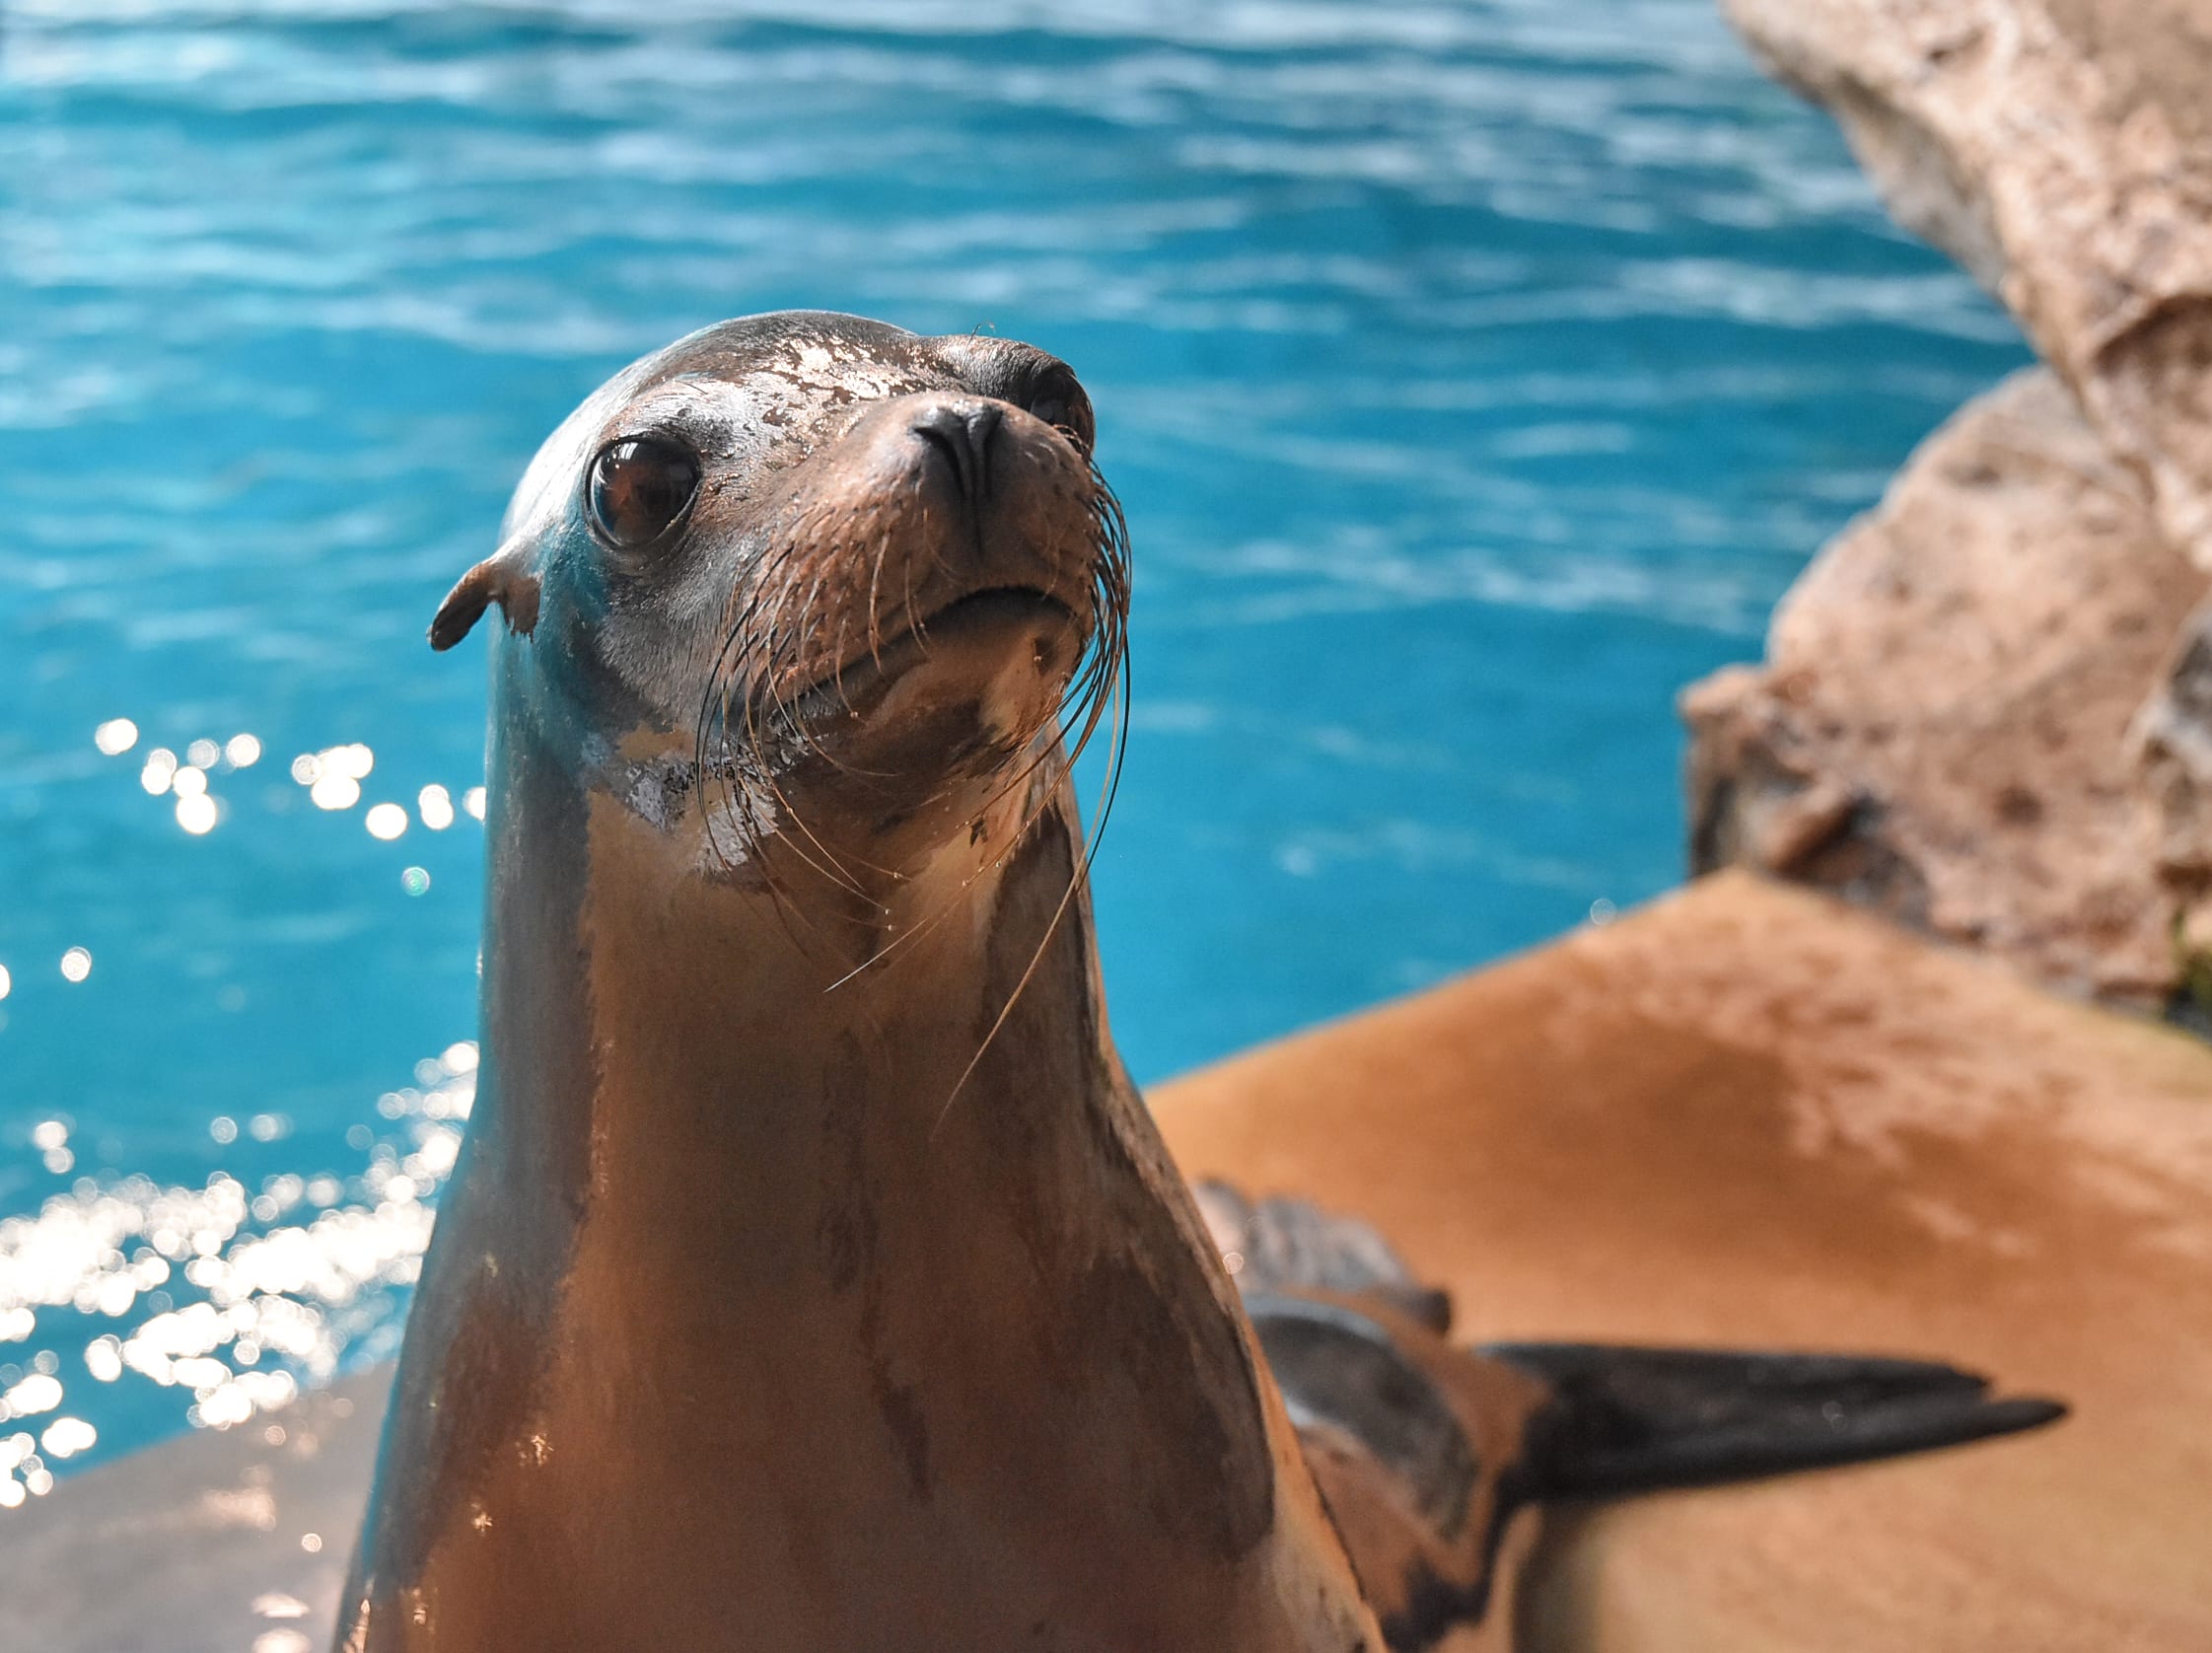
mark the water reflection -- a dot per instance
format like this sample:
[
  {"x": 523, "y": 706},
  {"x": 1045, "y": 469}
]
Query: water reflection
[{"x": 231, "y": 1297}]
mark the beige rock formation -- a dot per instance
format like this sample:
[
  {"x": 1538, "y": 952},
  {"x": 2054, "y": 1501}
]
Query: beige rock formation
[
  {"x": 1986, "y": 709},
  {"x": 1941, "y": 729},
  {"x": 2061, "y": 150},
  {"x": 2174, "y": 746}
]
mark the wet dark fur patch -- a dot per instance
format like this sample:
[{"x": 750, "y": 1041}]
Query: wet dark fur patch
[
  {"x": 1143, "y": 1307},
  {"x": 848, "y": 1236}
]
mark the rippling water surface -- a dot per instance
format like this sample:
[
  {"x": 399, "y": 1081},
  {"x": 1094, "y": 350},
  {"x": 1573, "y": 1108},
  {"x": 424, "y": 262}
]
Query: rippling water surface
[{"x": 1474, "y": 375}]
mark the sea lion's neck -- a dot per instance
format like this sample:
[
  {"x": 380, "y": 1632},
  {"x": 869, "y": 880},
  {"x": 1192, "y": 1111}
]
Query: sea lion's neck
[
  {"x": 815, "y": 1282},
  {"x": 779, "y": 1086}
]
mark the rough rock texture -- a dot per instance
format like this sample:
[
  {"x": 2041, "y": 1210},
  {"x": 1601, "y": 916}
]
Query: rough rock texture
[
  {"x": 2173, "y": 747},
  {"x": 1941, "y": 730},
  {"x": 1944, "y": 729},
  {"x": 2061, "y": 150},
  {"x": 1751, "y": 1116}
]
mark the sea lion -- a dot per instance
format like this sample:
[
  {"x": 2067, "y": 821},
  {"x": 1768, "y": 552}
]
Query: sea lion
[{"x": 812, "y": 1278}]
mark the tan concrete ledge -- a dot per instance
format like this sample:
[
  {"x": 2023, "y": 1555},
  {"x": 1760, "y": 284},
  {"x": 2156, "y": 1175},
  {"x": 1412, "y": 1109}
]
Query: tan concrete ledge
[{"x": 1751, "y": 1116}]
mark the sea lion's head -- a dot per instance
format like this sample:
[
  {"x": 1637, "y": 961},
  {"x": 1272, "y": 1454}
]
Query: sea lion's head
[{"x": 811, "y": 579}]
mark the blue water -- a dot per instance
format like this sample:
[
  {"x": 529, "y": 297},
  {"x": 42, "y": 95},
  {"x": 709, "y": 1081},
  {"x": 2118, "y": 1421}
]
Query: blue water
[{"x": 1475, "y": 376}]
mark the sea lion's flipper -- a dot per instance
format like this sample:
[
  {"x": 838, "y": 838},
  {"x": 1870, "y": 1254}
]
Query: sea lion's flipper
[
  {"x": 1625, "y": 1420},
  {"x": 1293, "y": 1245},
  {"x": 1414, "y": 1447},
  {"x": 502, "y": 578},
  {"x": 1340, "y": 1370},
  {"x": 1431, "y": 1457}
]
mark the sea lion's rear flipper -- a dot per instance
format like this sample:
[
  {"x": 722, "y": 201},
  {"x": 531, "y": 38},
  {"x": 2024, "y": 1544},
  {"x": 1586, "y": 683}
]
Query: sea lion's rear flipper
[
  {"x": 1415, "y": 1449},
  {"x": 1430, "y": 1457},
  {"x": 1292, "y": 1245},
  {"x": 1624, "y": 1419}
]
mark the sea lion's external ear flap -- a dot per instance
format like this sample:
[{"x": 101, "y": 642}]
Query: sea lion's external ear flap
[{"x": 500, "y": 578}]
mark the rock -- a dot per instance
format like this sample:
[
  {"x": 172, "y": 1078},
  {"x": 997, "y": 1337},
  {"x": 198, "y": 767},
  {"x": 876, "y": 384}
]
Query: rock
[
  {"x": 1941, "y": 729},
  {"x": 1750, "y": 1116},
  {"x": 2061, "y": 150},
  {"x": 2174, "y": 748}
]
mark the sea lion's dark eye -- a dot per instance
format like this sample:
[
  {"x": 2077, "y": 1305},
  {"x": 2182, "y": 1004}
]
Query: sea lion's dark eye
[
  {"x": 640, "y": 487},
  {"x": 1058, "y": 401}
]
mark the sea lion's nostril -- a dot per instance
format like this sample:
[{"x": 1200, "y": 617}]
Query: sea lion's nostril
[{"x": 962, "y": 431}]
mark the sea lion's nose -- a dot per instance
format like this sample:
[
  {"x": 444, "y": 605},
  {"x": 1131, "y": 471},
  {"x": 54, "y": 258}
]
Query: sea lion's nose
[{"x": 961, "y": 433}]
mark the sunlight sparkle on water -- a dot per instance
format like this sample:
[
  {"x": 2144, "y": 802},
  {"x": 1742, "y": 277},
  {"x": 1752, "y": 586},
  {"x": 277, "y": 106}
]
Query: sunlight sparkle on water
[
  {"x": 76, "y": 964},
  {"x": 104, "y": 1358},
  {"x": 66, "y": 1437},
  {"x": 233, "y": 1298},
  {"x": 333, "y": 775},
  {"x": 336, "y": 792},
  {"x": 38, "y": 1393}
]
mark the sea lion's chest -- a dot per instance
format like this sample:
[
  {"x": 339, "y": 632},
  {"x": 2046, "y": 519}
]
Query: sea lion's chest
[{"x": 849, "y": 1464}]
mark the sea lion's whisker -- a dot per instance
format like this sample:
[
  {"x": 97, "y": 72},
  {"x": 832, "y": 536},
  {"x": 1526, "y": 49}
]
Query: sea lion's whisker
[
  {"x": 874, "y": 612},
  {"x": 1097, "y": 684},
  {"x": 1116, "y": 693},
  {"x": 772, "y": 596},
  {"x": 836, "y": 872},
  {"x": 713, "y": 720},
  {"x": 914, "y": 933},
  {"x": 1075, "y": 883},
  {"x": 907, "y": 574},
  {"x": 791, "y": 712},
  {"x": 837, "y": 678},
  {"x": 801, "y": 725}
]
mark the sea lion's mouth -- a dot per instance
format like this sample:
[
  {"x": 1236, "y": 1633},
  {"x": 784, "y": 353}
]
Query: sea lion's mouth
[{"x": 972, "y": 628}]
